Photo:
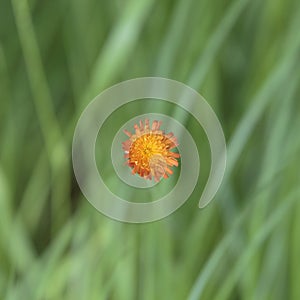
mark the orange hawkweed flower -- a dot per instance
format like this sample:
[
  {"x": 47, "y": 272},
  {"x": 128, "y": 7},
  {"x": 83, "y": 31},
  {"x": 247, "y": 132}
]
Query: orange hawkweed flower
[{"x": 148, "y": 151}]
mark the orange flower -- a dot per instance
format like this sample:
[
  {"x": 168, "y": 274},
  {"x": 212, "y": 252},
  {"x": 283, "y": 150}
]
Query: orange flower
[{"x": 148, "y": 151}]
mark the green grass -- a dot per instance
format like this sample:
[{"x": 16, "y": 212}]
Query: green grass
[{"x": 243, "y": 57}]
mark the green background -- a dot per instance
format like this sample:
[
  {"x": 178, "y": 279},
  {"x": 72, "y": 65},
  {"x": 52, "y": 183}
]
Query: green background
[{"x": 243, "y": 56}]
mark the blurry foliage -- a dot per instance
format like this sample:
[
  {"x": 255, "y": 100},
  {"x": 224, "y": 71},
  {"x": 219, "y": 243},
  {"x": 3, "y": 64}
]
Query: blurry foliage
[{"x": 243, "y": 57}]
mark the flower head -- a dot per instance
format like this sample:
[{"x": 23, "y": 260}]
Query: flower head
[{"x": 148, "y": 151}]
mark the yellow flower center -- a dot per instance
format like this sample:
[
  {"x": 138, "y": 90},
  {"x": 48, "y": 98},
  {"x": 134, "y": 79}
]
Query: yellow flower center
[{"x": 148, "y": 151}]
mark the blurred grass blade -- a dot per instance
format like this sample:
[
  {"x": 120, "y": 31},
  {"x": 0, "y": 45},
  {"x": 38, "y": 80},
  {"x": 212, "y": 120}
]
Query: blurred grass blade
[
  {"x": 214, "y": 43},
  {"x": 241, "y": 263},
  {"x": 173, "y": 38},
  {"x": 118, "y": 47}
]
